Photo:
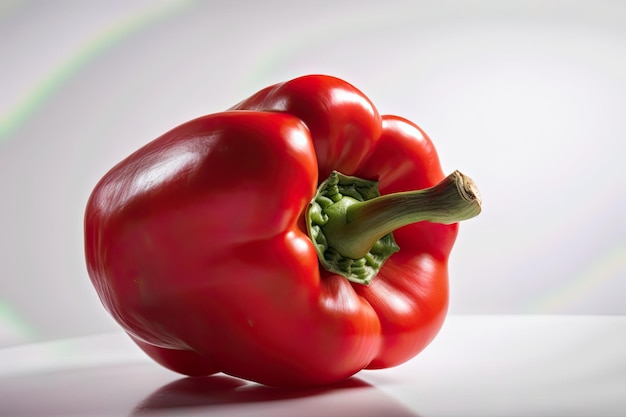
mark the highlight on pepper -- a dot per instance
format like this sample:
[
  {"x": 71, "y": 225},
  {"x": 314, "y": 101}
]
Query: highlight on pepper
[{"x": 293, "y": 239}]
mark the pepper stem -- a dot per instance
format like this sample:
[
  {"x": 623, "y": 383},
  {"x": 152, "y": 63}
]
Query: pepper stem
[
  {"x": 351, "y": 224},
  {"x": 454, "y": 199}
]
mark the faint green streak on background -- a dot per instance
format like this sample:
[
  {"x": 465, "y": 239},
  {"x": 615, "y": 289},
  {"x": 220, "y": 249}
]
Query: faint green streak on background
[
  {"x": 13, "y": 328},
  {"x": 112, "y": 35},
  {"x": 610, "y": 267},
  {"x": 8, "y": 7}
]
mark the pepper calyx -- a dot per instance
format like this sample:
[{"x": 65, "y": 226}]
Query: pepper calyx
[
  {"x": 325, "y": 215},
  {"x": 351, "y": 224}
]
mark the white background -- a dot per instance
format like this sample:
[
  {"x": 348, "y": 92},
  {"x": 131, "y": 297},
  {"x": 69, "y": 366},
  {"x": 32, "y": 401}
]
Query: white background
[{"x": 527, "y": 97}]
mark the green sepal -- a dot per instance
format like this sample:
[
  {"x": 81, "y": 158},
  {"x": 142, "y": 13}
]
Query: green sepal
[{"x": 338, "y": 191}]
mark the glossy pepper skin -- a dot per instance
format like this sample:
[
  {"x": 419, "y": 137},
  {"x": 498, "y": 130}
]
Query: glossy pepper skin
[{"x": 197, "y": 247}]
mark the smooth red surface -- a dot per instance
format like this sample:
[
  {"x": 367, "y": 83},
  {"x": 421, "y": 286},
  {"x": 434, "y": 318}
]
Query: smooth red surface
[{"x": 196, "y": 243}]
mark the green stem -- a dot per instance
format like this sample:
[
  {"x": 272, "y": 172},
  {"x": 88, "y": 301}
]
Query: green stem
[
  {"x": 354, "y": 233},
  {"x": 351, "y": 224}
]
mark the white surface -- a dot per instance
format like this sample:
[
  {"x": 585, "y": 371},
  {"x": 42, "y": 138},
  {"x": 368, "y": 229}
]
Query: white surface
[
  {"x": 483, "y": 366},
  {"x": 527, "y": 97}
]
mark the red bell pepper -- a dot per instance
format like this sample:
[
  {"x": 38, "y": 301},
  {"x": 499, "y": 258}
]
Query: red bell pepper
[{"x": 198, "y": 243}]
